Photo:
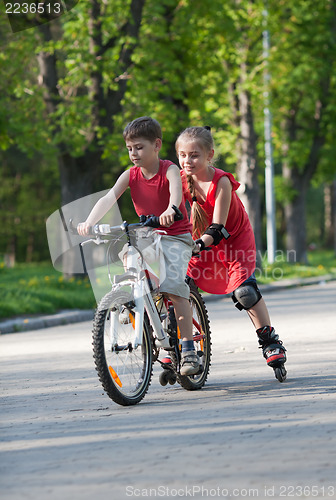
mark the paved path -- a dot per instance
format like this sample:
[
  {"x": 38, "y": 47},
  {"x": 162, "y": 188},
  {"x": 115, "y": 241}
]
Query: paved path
[{"x": 244, "y": 435}]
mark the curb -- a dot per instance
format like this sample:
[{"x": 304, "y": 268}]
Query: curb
[
  {"x": 17, "y": 325},
  {"x": 278, "y": 285},
  {"x": 24, "y": 324}
]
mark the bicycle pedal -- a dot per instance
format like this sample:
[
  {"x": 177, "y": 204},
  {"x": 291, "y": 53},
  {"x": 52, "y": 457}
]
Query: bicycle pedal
[{"x": 166, "y": 363}]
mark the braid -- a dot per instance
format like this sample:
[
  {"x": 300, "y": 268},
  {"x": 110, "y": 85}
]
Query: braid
[{"x": 199, "y": 216}]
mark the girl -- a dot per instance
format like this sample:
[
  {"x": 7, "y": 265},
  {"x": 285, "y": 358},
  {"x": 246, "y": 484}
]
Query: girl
[{"x": 221, "y": 222}]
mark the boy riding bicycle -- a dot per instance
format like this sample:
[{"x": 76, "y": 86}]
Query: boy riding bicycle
[{"x": 155, "y": 188}]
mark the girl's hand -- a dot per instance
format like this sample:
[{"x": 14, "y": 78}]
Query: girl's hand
[
  {"x": 83, "y": 228},
  {"x": 167, "y": 217},
  {"x": 198, "y": 247}
]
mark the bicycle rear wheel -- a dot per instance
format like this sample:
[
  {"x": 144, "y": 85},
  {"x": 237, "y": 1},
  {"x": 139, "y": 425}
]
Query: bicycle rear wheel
[
  {"x": 202, "y": 341},
  {"x": 124, "y": 369}
]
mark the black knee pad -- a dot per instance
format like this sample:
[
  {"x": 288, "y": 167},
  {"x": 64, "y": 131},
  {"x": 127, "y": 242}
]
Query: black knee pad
[{"x": 246, "y": 296}]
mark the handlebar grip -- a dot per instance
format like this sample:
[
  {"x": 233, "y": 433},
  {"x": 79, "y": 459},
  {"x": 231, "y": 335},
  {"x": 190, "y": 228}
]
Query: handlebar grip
[
  {"x": 154, "y": 220},
  {"x": 72, "y": 228}
]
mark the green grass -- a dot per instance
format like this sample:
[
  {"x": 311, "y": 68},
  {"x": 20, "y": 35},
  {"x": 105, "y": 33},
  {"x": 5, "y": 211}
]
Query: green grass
[
  {"x": 320, "y": 262},
  {"x": 29, "y": 289},
  {"x": 38, "y": 288}
]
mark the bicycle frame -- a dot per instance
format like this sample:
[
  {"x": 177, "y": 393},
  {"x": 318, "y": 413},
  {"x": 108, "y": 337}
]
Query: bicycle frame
[
  {"x": 143, "y": 299},
  {"x": 135, "y": 277}
]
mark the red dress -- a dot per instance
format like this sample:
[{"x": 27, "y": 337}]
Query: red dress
[
  {"x": 227, "y": 265},
  {"x": 151, "y": 197}
]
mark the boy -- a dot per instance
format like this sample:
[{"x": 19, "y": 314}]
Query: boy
[{"x": 155, "y": 187}]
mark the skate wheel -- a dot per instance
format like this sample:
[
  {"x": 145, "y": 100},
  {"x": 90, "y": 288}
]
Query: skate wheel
[
  {"x": 163, "y": 378},
  {"x": 172, "y": 378},
  {"x": 280, "y": 373}
]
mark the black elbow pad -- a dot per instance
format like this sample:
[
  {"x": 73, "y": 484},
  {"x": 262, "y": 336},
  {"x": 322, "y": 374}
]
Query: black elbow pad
[{"x": 218, "y": 232}]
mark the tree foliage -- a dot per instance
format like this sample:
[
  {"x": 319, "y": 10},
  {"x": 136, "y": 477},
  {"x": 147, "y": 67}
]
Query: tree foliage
[{"x": 69, "y": 87}]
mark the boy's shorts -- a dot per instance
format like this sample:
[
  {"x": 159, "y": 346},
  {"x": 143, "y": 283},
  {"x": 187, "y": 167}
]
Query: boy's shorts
[{"x": 175, "y": 253}]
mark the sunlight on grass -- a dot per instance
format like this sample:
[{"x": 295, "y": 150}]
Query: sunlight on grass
[
  {"x": 319, "y": 263},
  {"x": 39, "y": 288}
]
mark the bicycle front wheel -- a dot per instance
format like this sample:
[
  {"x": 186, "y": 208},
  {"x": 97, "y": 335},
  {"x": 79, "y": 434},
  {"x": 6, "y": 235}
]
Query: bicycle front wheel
[{"x": 124, "y": 368}]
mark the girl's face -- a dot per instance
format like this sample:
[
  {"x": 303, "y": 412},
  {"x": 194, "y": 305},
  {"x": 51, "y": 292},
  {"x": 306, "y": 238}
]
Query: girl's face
[
  {"x": 143, "y": 152},
  {"x": 193, "y": 158}
]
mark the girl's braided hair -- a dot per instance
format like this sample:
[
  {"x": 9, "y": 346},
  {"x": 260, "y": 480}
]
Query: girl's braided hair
[{"x": 203, "y": 136}]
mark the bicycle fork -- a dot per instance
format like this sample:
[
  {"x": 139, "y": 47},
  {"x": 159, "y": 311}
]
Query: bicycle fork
[{"x": 143, "y": 300}]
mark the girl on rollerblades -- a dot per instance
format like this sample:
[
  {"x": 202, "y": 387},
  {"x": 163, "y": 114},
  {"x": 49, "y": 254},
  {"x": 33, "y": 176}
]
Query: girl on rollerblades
[{"x": 221, "y": 223}]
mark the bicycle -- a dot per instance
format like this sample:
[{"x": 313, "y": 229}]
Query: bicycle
[{"x": 134, "y": 321}]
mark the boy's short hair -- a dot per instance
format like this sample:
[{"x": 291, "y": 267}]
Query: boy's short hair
[{"x": 145, "y": 127}]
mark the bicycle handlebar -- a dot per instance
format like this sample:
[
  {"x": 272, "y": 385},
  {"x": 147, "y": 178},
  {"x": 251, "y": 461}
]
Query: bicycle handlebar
[{"x": 152, "y": 221}]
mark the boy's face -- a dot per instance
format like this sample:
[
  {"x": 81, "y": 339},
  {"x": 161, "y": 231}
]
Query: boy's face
[{"x": 142, "y": 152}]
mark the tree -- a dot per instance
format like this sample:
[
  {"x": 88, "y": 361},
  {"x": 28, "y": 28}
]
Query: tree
[
  {"x": 303, "y": 90},
  {"x": 83, "y": 101},
  {"x": 241, "y": 59},
  {"x": 74, "y": 83}
]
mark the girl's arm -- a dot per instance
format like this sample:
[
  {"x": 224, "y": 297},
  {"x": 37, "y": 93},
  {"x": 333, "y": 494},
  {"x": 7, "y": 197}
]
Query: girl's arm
[
  {"x": 104, "y": 204},
  {"x": 175, "y": 190},
  {"x": 222, "y": 206}
]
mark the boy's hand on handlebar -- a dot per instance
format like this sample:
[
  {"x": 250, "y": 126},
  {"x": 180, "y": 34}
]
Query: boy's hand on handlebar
[
  {"x": 83, "y": 228},
  {"x": 167, "y": 217}
]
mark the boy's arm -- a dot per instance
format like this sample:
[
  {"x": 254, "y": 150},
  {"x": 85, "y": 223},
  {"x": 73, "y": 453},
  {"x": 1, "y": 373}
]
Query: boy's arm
[
  {"x": 175, "y": 190},
  {"x": 104, "y": 204}
]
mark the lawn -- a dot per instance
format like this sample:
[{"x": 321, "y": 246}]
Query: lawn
[
  {"x": 29, "y": 289},
  {"x": 320, "y": 262},
  {"x": 38, "y": 288}
]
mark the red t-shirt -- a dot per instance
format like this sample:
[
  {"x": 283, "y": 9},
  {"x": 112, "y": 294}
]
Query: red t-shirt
[
  {"x": 151, "y": 197},
  {"x": 223, "y": 268}
]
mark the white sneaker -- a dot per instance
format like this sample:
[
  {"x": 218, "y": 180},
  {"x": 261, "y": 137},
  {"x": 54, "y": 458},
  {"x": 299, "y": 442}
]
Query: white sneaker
[{"x": 190, "y": 363}]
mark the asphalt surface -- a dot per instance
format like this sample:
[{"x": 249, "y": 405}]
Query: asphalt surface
[{"x": 244, "y": 435}]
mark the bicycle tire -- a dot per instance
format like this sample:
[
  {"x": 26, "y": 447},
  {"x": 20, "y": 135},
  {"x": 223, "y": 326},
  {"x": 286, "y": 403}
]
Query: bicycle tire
[
  {"x": 125, "y": 370},
  {"x": 203, "y": 347}
]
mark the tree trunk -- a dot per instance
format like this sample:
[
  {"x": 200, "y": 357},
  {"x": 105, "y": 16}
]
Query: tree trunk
[
  {"x": 248, "y": 165},
  {"x": 30, "y": 247},
  {"x": 334, "y": 214},
  {"x": 80, "y": 175},
  {"x": 295, "y": 214},
  {"x": 10, "y": 254},
  {"x": 330, "y": 215}
]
